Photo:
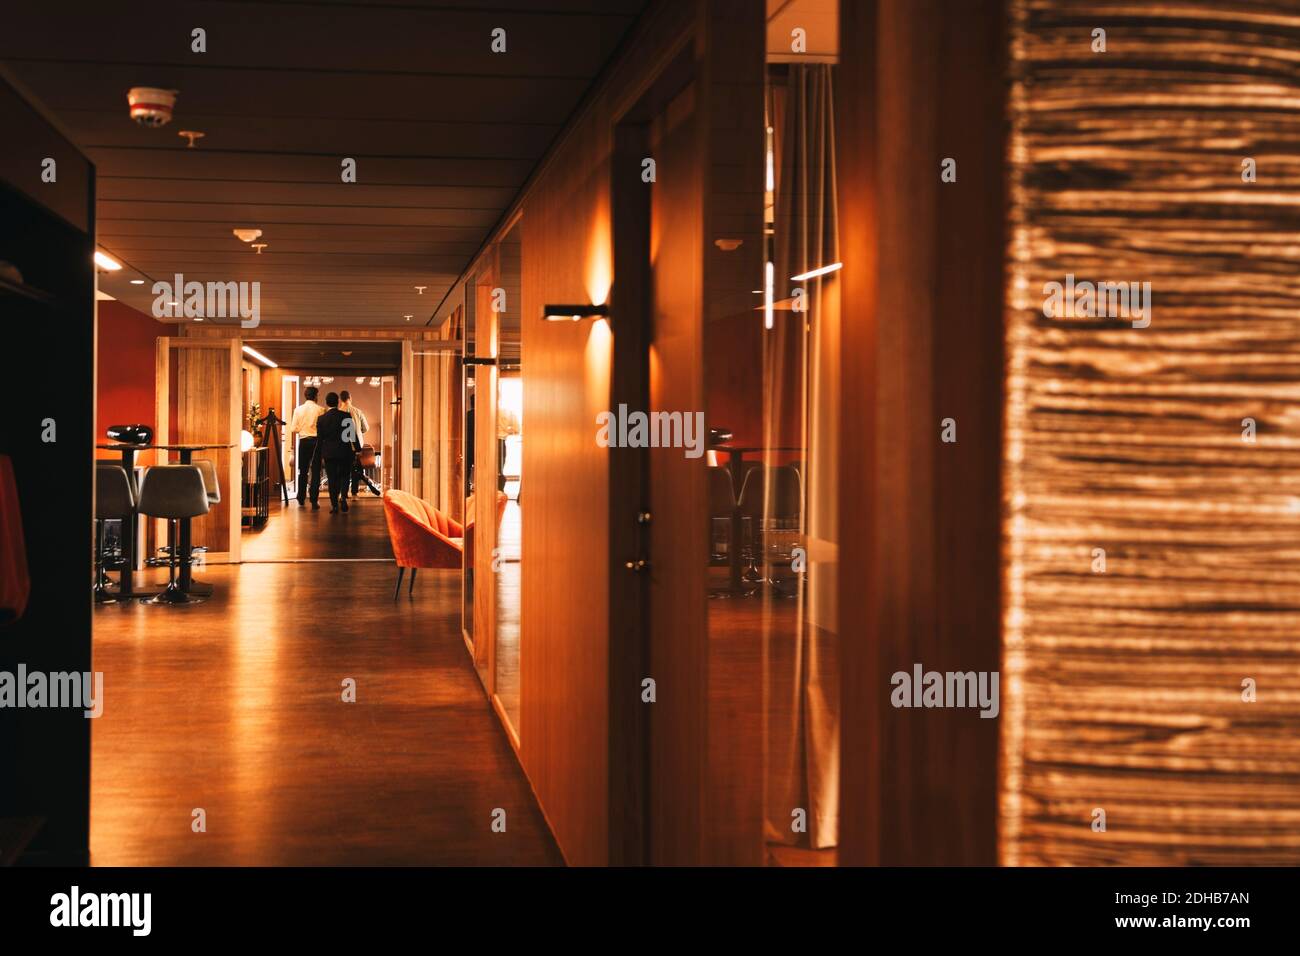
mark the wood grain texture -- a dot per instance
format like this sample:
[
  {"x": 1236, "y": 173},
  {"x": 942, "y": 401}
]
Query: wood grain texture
[
  {"x": 921, "y": 340},
  {"x": 1123, "y": 689}
]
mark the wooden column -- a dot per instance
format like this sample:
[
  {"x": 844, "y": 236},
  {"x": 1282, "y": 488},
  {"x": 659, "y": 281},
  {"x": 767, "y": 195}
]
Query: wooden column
[{"x": 920, "y": 81}]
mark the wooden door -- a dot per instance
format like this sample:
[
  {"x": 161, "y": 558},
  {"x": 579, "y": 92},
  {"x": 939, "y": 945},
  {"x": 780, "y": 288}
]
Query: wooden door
[{"x": 199, "y": 403}]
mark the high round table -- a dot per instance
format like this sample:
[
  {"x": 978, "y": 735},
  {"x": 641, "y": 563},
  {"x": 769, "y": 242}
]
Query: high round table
[{"x": 186, "y": 452}]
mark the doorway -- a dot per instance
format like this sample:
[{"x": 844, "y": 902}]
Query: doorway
[{"x": 290, "y": 378}]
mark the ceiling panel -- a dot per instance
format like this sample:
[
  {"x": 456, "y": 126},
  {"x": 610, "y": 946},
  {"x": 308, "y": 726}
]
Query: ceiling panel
[{"x": 444, "y": 132}]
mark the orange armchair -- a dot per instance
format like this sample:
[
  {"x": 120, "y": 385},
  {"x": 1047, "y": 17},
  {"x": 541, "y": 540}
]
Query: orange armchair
[{"x": 421, "y": 535}]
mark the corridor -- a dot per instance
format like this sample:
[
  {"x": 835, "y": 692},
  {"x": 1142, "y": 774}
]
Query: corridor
[{"x": 261, "y": 740}]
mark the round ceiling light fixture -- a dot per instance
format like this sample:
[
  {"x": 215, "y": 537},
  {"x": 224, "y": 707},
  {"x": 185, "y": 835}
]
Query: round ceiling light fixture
[
  {"x": 151, "y": 106},
  {"x": 247, "y": 235}
]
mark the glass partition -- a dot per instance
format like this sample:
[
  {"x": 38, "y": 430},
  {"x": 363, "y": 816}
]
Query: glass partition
[{"x": 509, "y": 478}]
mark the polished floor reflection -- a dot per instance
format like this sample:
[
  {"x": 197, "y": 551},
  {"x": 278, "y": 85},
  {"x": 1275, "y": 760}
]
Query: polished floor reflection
[
  {"x": 295, "y": 533},
  {"x": 235, "y": 707}
]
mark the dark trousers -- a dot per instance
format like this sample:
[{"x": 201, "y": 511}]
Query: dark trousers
[
  {"x": 336, "y": 470},
  {"x": 308, "y": 470}
]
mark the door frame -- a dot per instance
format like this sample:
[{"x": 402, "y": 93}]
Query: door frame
[
  {"x": 230, "y": 500},
  {"x": 631, "y": 321}
]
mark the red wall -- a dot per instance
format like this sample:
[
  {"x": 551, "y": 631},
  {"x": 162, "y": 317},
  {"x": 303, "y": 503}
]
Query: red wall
[{"x": 124, "y": 385}]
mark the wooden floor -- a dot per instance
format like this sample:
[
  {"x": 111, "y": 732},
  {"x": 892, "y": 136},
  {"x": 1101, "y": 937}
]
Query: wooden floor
[
  {"x": 309, "y": 535},
  {"x": 234, "y": 706}
]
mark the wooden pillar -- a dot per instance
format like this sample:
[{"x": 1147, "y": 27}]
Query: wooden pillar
[{"x": 920, "y": 81}]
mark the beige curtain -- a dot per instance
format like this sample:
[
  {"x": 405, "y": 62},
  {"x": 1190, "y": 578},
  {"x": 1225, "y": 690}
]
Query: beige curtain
[{"x": 801, "y": 397}]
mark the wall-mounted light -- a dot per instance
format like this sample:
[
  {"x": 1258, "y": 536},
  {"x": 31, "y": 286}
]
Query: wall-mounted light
[
  {"x": 574, "y": 313},
  {"x": 255, "y": 354},
  {"x": 814, "y": 273},
  {"x": 106, "y": 262}
]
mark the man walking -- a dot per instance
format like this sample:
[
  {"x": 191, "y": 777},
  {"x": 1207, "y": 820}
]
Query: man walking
[
  {"x": 338, "y": 449},
  {"x": 303, "y": 424},
  {"x": 363, "y": 425}
]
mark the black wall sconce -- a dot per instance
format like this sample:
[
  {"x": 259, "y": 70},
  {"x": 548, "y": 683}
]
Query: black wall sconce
[{"x": 573, "y": 313}]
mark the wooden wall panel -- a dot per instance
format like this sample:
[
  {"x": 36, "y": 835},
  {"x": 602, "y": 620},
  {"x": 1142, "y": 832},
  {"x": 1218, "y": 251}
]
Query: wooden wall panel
[
  {"x": 678, "y": 632},
  {"x": 564, "y": 640},
  {"x": 209, "y": 410},
  {"x": 1124, "y": 688},
  {"x": 921, "y": 331}
]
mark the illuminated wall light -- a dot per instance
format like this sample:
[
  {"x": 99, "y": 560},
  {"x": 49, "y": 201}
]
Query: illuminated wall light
[
  {"x": 106, "y": 262},
  {"x": 137, "y": 282},
  {"x": 255, "y": 354},
  {"x": 574, "y": 313},
  {"x": 833, "y": 267}
]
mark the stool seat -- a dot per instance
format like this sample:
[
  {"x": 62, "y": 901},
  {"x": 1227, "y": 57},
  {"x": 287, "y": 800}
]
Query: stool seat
[
  {"x": 209, "y": 470},
  {"x": 173, "y": 491},
  {"x": 113, "y": 495}
]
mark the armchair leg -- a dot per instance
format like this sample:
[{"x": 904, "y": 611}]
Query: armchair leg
[
  {"x": 411, "y": 588},
  {"x": 398, "y": 590}
]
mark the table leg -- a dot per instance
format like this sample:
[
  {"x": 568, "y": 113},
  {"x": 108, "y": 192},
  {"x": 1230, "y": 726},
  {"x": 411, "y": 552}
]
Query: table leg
[
  {"x": 126, "y": 583},
  {"x": 183, "y": 547}
]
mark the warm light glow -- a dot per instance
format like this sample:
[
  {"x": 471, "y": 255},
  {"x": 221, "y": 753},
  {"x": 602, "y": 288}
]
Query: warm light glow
[
  {"x": 833, "y": 267},
  {"x": 245, "y": 440},
  {"x": 600, "y": 259},
  {"x": 107, "y": 262},
  {"x": 254, "y": 353},
  {"x": 769, "y": 280},
  {"x": 137, "y": 282}
]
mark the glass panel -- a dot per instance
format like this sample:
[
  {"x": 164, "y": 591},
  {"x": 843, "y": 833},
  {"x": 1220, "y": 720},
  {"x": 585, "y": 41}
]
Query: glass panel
[
  {"x": 467, "y": 470},
  {"x": 791, "y": 552},
  {"x": 510, "y": 454}
]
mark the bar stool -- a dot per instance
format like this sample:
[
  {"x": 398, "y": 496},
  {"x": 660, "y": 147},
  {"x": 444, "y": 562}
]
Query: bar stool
[
  {"x": 177, "y": 493},
  {"x": 211, "y": 485},
  {"x": 114, "y": 500}
]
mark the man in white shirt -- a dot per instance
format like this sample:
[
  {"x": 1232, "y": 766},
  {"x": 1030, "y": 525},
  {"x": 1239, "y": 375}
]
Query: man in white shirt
[
  {"x": 363, "y": 425},
  {"x": 303, "y": 424}
]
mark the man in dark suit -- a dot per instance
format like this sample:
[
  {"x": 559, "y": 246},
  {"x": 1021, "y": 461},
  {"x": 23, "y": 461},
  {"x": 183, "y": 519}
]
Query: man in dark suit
[{"x": 337, "y": 444}]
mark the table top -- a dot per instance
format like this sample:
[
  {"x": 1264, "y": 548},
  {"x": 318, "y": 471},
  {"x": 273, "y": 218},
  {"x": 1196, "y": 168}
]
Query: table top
[{"x": 124, "y": 446}]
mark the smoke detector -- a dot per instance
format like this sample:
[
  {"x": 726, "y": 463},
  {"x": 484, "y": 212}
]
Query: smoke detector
[
  {"x": 151, "y": 106},
  {"x": 247, "y": 235}
]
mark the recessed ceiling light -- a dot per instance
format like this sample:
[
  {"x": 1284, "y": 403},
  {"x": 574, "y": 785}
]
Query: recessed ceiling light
[
  {"x": 137, "y": 282},
  {"x": 191, "y": 135},
  {"x": 408, "y": 318},
  {"x": 247, "y": 235}
]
